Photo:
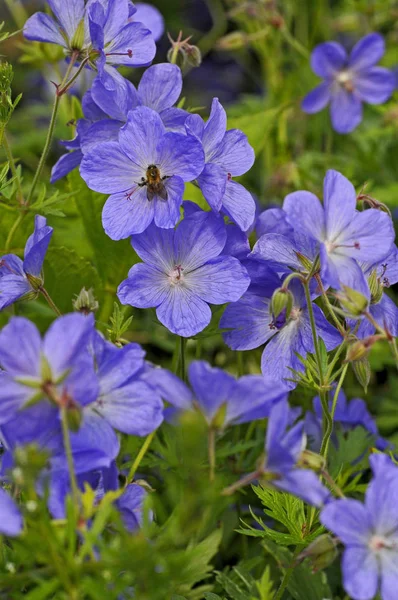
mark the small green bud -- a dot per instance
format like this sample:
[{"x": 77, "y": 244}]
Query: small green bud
[
  {"x": 177, "y": 56},
  {"x": 193, "y": 55},
  {"x": 232, "y": 41},
  {"x": 362, "y": 372},
  {"x": 282, "y": 299},
  {"x": 85, "y": 302},
  {"x": 321, "y": 552},
  {"x": 353, "y": 302},
  {"x": 311, "y": 460},
  {"x": 376, "y": 288},
  {"x": 356, "y": 351}
]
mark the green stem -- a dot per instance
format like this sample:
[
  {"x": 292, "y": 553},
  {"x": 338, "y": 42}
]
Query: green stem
[
  {"x": 332, "y": 484},
  {"x": 10, "y": 158},
  {"x": 60, "y": 91},
  {"x": 329, "y": 429},
  {"x": 69, "y": 456},
  {"x": 329, "y": 306},
  {"x": 313, "y": 329},
  {"x": 12, "y": 231},
  {"x": 393, "y": 346},
  {"x": 212, "y": 452},
  {"x": 140, "y": 456},
  {"x": 183, "y": 343},
  {"x": 50, "y": 301},
  {"x": 287, "y": 575}
]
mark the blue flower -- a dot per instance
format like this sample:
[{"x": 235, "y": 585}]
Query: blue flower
[
  {"x": 105, "y": 112},
  {"x": 10, "y": 518},
  {"x": 250, "y": 324},
  {"x": 22, "y": 279},
  {"x": 224, "y": 400},
  {"x": 183, "y": 272},
  {"x": 369, "y": 533},
  {"x": 349, "y": 81},
  {"x": 344, "y": 234},
  {"x": 100, "y": 28},
  {"x": 227, "y": 154},
  {"x": 144, "y": 171}
]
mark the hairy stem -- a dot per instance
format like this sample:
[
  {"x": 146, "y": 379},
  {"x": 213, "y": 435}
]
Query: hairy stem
[
  {"x": 140, "y": 455},
  {"x": 329, "y": 430},
  {"x": 50, "y": 301},
  {"x": 69, "y": 456},
  {"x": 212, "y": 452},
  {"x": 313, "y": 330}
]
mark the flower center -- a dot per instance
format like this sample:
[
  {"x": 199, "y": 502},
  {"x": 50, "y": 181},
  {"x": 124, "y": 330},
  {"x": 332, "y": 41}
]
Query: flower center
[
  {"x": 344, "y": 78},
  {"x": 332, "y": 246},
  {"x": 176, "y": 277},
  {"x": 378, "y": 543}
]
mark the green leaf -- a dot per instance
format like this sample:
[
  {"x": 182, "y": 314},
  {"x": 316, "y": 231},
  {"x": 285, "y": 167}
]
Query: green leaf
[
  {"x": 265, "y": 585},
  {"x": 45, "y": 590},
  {"x": 65, "y": 275}
]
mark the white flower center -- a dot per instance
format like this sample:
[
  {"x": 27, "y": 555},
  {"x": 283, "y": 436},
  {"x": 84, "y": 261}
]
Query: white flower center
[
  {"x": 176, "y": 275},
  {"x": 378, "y": 543}
]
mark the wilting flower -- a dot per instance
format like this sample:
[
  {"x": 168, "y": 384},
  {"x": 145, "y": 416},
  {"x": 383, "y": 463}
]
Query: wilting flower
[
  {"x": 225, "y": 400},
  {"x": 183, "y": 272},
  {"x": 349, "y": 80},
  {"x": 10, "y": 517},
  {"x": 144, "y": 171},
  {"x": 345, "y": 235},
  {"x": 250, "y": 323},
  {"x": 21, "y": 279},
  {"x": 227, "y": 154},
  {"x": 369, "y": 533}
]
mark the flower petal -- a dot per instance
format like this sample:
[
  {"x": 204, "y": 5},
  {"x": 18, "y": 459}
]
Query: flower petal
[
  {"x": 167, "y": 212},
  {"x": 140, "y": 136},
  {"x": 160, "y": 86},
  {"x": 156, "y": 247},
  {"x": 248, "y": 321},
  {"x": 13, "y": 396},
  {"x": 183, "y": 313},
  {"x": 42, "y": 28},
  {"x": 114, "y": 103},
  {"x": 65, "y": 165},
  {"x": 212, "y": 387},
  {"x": 277, "y": 248},
  {"x": 340, "y": 200},
  {"x": 221, "y": 280},
  {"x": 367, "y": 52},
  {"x": 345, "y": 110},
  {"x": 389, "y": 574},
  {"x": 69, "y": 13},
  {"x": 212, "y": 181},
  {"x": 145, "y": 287},
  {"x": 133, "y": 46},
  {"x": 375, "y": 85},
  {"x": 20, "y": 347},
  {"x": 317, "y": 99},
  {"x": 151, "y": 17},
  {"x": 10, "y": 518},
  {"x": 181, "y": 155},
  {"x": 198, "y": 239},
  {"x": 369, "y": 236},
  {"x": 349, "y": 520},
  {"x": 360, "y": 573},
  {"x": 124, "y": 215},
  {"x": 13, "y": 288},
  {"x": 234, "y": 153},
  {"x": 214, "y": 130},
  {"x": 252, "y": 398},
  {"x": 107, "y": 169},
  {"x": 239, "y": 205},
  {"x": 36, "y": 246},
  {"x": 305, "y": 213},
  {"x": 304, "y": 484},
  {"x": 279, "y": 356},
  {"x": 337, "y": 269},
  {"x": 328, "y": 58}
]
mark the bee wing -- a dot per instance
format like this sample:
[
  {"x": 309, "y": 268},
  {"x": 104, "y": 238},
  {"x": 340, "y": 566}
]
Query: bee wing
[
  {"x": 163, "y": 193},
  {"x": 150, "y": 195}
]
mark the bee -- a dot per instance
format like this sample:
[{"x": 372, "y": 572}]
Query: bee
[{"x": 154, "y": 183}]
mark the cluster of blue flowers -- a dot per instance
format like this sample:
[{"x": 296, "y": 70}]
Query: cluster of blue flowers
[{"x": 140, "y": 148}]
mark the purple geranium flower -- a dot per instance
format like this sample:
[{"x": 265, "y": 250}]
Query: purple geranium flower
[
  {"x": 149, "y": 16},
  {"x": 349, "y": 80},
  {"x": 224, "y": 400},
  {"x": 183, "y": 271},
  {"x": 105, "y": 112},
  {"x": 250, "y": 324},
  {"x": 345, "y": 235},
  {"x": 369, "y": 533},
  {"x": 10, "y": 518},
  {"x": 100, "y": 28},
  {"x": 144, "y": 171},
  {"x": 21, "y": 279},
  {"x": 227, "y": 154}
]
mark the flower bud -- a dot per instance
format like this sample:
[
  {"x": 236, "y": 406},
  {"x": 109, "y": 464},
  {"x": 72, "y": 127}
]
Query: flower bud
[
  {"x": 311, "y": 460},
  {"x": 362, "y": 372},
  {"x": 85, "y": 302},
  {"x": 193, "y": 55},
  {"x": 177, "y": 56},
  {"x": 321, "y": 552},
  {"x": 282, "y": 299},
  {"x": 357, "y": 351},
  {"x": 232, "y": 41},
  {"x": 353, "y": 302}
]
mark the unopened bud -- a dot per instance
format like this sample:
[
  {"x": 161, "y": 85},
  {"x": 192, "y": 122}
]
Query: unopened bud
[
  {"x": 85, "y": 302},
  {"x": 282, "y": 299},
  {"x": 353, "y": 302},
  {"x": 311, "y": 460},
  {"x": 232, "y": 41},
  {"x": 321, "y": 552},
  {"x": 362, "y": 372},
  {"x": 193, "y": 55},
  {"x": 356, "y": 351},
  {"x": 177, "y": 57},
  {"x": 375, "y": 286}
]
